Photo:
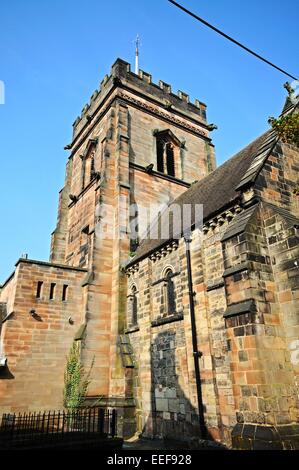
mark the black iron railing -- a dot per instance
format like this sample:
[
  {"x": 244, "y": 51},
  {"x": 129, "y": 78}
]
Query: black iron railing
[{"x": 17, "y": 430}]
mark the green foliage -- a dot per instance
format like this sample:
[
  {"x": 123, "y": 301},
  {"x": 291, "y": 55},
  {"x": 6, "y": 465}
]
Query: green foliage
[
  {"x": 76, "y": 381},
  {"x": 287, "y": 127}
]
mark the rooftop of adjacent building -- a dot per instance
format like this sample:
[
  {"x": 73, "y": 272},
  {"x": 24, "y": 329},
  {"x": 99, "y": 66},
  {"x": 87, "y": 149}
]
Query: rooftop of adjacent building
[{"x": 46, "y": 264}]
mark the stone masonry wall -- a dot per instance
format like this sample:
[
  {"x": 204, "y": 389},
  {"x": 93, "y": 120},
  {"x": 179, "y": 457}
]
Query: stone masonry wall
[
  {"x": 278, "y": 180},
  {"x": 193, "y": 155},
  {"x": 257, "y": 288},
  {"x": 36, "y": 345},
  {"x": 163, "y": 389},
  {"x": 211, "y": 300},
  {"x": 159, "y": 344},
  {"x": 283, "y": 241}
]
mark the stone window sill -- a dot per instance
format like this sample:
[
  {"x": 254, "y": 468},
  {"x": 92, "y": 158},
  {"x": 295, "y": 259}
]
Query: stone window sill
[{"x": 169, "y": 319}]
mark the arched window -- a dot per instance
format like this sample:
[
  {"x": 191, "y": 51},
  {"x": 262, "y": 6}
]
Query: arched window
[
  {"x": 170, "y": 295},
  {"x": 168, "y": 153},
  {"x": 133, "y": 306}
]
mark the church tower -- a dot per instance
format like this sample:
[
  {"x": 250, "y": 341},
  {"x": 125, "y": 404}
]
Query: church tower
[
  {"x": 135, "y": 148},
  {"x": 135, "y": 144}
]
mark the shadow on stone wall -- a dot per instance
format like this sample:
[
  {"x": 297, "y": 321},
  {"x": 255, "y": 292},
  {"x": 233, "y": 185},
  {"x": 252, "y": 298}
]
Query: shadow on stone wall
[
  {"x": 173, "y": 416},
  {"x": 5, "y": 373}
]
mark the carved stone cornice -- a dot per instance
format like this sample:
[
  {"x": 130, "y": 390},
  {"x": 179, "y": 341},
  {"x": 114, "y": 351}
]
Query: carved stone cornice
[
  {"x": 108, "y": 100},
  {"x": 155, "y": 110},
  {"x": 164, "y": 251},
  {"x": 226, "y": 216},
  {"x": 132, "y": 269}
]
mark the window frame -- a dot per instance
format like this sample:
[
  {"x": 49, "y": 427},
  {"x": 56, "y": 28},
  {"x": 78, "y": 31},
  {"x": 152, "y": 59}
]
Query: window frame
[
  {"x": 133, "y": 309},
  {"x": 170, "y": 304},
  {"x": 168, "y": 153}
]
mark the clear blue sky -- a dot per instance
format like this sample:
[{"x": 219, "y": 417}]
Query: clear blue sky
[{"x": 54, "y": 53}]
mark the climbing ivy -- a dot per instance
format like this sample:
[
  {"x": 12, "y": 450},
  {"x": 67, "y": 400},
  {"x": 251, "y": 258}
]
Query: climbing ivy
[
  {"x": 287, "y": 127},
  {"x": 76, "y": 380}
]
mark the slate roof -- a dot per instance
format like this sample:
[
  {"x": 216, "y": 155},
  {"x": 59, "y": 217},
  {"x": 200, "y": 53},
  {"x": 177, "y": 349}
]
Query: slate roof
[
  {"x": 239, "y": 223},
  {"x": 240, "y": 307},
  {"x": 220, "y": 188},
  {"x": 288, "y": 106},
  {"x": 241, "y": 220},
  {"x": 258, "y": 161}
]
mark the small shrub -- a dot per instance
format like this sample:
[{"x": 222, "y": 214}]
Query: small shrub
[{"x": 76, "y": 380}]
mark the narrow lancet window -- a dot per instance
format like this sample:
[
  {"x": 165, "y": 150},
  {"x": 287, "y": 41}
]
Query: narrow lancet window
[
  {"x": 170, "y": 293},
  {"x": 52, "y": 290},
  {"x": 170, "y": 160},
  {"x": 133, "y": 306},
  {"x": 64, "y": 292},
  {"x": 39, "y": 289},
  {"x": 160, "y": 156}
]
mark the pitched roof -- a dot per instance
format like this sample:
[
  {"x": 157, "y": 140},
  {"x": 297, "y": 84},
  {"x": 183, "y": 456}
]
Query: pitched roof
[
  {"x": 290, "y": 218},
  {"x": 219, "y": 189},
  {"x": 239, "y": 223},
  {"x": 265, "y": 149}
]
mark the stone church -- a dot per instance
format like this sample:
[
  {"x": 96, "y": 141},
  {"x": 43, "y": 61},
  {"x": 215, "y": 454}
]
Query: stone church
[{"x": 194, "y": 334}]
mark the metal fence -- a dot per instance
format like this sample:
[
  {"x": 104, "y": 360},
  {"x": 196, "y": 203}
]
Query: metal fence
[{"x": 18, "y": 430}]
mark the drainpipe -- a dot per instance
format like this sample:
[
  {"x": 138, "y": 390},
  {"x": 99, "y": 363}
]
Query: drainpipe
[{"x": 196, "y": 354}]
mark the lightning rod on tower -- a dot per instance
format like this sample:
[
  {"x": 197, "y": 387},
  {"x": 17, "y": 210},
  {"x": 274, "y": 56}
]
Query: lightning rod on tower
[{"x": 137, "y": 44}]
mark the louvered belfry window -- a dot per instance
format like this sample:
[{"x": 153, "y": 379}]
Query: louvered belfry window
[
  {"x": 160, "y": 155},
  {"x": 170, "y": 159},
  {"x": 167, "y": 147}
]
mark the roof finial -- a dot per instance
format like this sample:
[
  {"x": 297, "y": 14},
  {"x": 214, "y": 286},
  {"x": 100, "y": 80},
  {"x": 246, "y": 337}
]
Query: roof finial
[{"x": 137, "y": 45}]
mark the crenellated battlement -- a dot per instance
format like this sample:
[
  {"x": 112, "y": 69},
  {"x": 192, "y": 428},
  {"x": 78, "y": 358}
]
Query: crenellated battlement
[{"x": 121, "y": 75}]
